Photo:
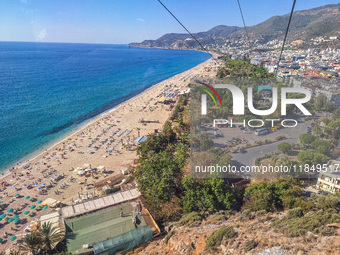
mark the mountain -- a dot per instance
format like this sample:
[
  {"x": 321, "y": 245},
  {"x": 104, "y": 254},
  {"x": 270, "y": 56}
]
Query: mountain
[
  {"x": 306, "y": 24},
  {"x": 176, "y": 40}
]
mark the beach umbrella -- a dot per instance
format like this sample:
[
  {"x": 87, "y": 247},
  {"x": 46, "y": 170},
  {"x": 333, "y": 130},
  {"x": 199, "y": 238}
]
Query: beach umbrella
[
  {"x": 33, "y": 207},
  {"x": 15, "y": 216},
  {"x": 27, "y": 197},
  {"x": 13, "y": 238},
  {"x": 39, "y": 202},
  {"x": 2, "y": 216},
  {"x": 17, "y": 195},
  {"x": 36, "y": 184},
  {"x": 44, "y": 184},
  {"x": 16, "y": 220},
  {"x": 10, "y": 210},
  {"x": 39, "y": 188},
  {"x": 25, "y": 185},
  {"x": 1, "y": 202},
  {"x": 1, "y": 240},
  {"x": 26, "y": 212},
  {"x": 10, "y": 220},
  {"x": 45, "y": 207}
]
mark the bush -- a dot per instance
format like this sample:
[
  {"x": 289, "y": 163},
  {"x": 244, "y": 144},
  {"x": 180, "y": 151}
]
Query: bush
[
  {"x": 168, "y": 236},
  {"x": 190, "y": 217},
  {"x": 215, "y": 239},
  {"x": 314, "y": 223},
  {"x": 220, "y": 216},
  {"x": 249, "y": 245},
  {"x": 246, "y": 212},
  {"x": 112, "y": 190},
  {"x": 261, "y": 212},
  {"x": 325, "y": 202},
  {"x": 295, "y": 213},
  {"x": 279, "y": 138}
]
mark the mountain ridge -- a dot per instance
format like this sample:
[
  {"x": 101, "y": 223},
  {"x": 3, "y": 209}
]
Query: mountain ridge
[{"x": 306, "y": 24}]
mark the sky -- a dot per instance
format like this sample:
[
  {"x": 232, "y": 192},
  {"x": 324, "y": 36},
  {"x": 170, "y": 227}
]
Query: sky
[{"x": 125, "y": 21}]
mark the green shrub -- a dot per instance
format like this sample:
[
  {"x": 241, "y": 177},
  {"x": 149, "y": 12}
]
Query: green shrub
[
  {"x": 249, "y": 245},
  {"x": 314, "y": 223},
  {"x": 190, "y": 217},
  {"x": 215, "y": 239},
  {"x": 324, "y": 202},
  {"x": 168, "y": 236},
  {"x": 112, "y": 190},
  {"x": 295, "y": 213},
  {"x": 128, "y": 179},
  {"x": 261, "y": 213},
  {"x": 220, "y": 216},
  {"x": 325, "y": 231},
  {"x": 246, "y": 212}
]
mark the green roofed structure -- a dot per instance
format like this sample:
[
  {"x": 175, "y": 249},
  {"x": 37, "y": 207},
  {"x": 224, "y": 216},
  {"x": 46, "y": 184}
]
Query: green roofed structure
[{"x": 109, "y": 229}]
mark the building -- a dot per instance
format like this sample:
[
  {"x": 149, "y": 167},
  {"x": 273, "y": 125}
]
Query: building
[
  {"x": 330, "y": 179},
  {"x": 265, "y": 91},
  {"x": 107, "y": 225}
]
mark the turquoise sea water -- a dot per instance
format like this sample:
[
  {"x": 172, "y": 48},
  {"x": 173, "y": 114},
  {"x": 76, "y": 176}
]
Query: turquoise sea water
[{"x": 46, "y": 89}]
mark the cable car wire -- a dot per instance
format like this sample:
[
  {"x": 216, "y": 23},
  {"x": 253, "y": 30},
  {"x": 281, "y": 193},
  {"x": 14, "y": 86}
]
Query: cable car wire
[
  {"x": 189, "y": 32},
  {"x": 244, "y": 23},
  {"x": 284, "y": 40}
]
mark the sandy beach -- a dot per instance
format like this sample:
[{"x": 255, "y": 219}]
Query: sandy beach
[{"x": 68, "y": 170}]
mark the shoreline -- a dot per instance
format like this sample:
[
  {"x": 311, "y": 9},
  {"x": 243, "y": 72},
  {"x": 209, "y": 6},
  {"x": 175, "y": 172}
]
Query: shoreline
[
  {"x": 36, "y": 153},
  {"x": 105, "y": 144}
]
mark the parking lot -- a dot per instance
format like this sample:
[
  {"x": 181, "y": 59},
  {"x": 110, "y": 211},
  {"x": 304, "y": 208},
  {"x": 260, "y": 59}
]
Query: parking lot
[{"x": 228, "y": 135}]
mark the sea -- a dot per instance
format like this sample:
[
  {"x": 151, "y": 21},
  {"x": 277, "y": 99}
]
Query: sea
[{"x": 49, "y": 89}]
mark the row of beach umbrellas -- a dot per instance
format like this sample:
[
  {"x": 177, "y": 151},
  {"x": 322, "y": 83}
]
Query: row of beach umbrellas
[
  {"x": 12, "y": 238},
  {"x": 16, "y": 218}
]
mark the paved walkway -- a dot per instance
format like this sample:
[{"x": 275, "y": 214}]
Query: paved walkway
[{"x": 99, "y": 203}]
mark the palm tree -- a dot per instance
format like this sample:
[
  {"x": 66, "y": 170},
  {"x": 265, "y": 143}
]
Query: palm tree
[
  {"x": 32, "y": 243},
  {"x": 49, "y": 235}
]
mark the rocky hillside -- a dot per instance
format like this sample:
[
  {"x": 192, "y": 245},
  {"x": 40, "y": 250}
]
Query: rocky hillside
[
  {"x": 174, "y": 40},
  {"x": 244, "y": 233},
  {"x": 307, "y": 24}
]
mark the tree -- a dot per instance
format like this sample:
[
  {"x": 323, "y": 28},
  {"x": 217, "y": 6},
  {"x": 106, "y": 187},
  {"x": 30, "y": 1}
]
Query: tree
[
  {"x": 317, "y": 131},
  {"x": 159, "y": 177},
  {"x": 328, "y": 107},
  {"x": 334, "y": 124},
  {"x": 49, "y": 235},
  {"x": 206, "y": 194},
  {"x": 32, "y": 243},
  {"x": 284, "y": 147},
  {"x": 271, "y": 196},
  {"x": 336, "y": 113},
  {"x": 311, "y": 158},
  {"x": 307, "y": 138},
  {"x": 322, "y": 146}
]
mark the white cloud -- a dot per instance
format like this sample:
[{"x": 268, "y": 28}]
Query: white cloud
[
  {"x": 141, "y": 20},
  {"x": 41, "y": 35}
]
